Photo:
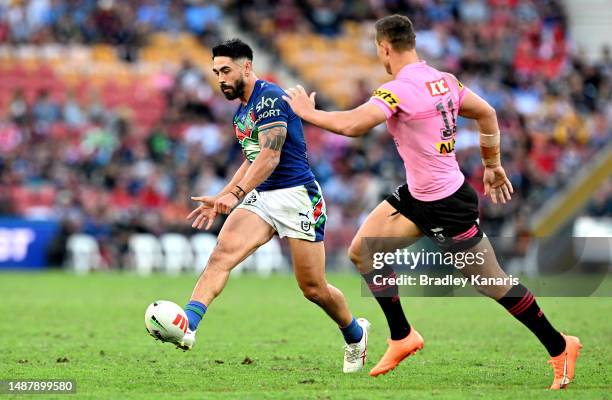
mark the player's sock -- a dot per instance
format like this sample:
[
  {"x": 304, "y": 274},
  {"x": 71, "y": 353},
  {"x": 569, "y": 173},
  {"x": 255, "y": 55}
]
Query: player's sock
[
  {"x": 388, "y": 298},
  {"x": 520, "y": 302},
  {"x": 195, "y": 311},
  {"x": 352, "y": 332}
]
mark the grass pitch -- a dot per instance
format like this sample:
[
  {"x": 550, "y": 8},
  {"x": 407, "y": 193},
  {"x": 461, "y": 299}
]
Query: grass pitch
[{"x": 262, "y": 339}]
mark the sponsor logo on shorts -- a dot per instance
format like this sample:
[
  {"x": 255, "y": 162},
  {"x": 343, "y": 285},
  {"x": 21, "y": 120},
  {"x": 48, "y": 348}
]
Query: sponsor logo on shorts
[
  {"x": 396, "y": 194},
  {"x": 306, "y": 225},
  {"x": 446, "y": 147},
  {"x": 438, "y": 235},
  {"x": 251, "y": 199},
  {"x": 437, "y": 88},
  {"x": 387, "y": 96}
]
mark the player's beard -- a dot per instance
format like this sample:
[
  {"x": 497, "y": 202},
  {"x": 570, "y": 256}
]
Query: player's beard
[{"x": 235, "y": 91}]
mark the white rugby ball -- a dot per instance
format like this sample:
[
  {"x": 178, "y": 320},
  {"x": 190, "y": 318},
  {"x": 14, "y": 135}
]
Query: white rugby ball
[{"x": 166, "y": 321}]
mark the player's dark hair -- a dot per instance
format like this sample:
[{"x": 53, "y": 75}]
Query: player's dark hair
[
  {"x": 397, "y": 30},
  {"x": 234, "y": 49}
]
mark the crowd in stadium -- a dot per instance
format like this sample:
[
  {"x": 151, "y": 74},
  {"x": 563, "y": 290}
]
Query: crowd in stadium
[
  {"x": 81, "y": 162},
  {"x": 124, "y": 23}
]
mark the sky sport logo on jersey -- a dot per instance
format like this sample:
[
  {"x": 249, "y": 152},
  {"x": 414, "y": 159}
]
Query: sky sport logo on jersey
[{"x": 267, "y": 104}]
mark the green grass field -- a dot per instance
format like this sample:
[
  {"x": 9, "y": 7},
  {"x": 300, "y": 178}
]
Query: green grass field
[{"x": 473, "y": 348}]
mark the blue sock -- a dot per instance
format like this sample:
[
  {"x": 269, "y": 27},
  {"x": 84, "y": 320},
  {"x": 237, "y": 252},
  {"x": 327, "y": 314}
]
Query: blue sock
[
  {"x": 353, "y": 332},
  {"x": 195, "y": 311}
]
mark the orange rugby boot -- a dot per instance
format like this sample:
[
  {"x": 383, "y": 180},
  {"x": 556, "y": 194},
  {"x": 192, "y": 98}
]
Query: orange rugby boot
[
  {"x": 564, "y": 363},
  {"x": 397, "y": 351}
]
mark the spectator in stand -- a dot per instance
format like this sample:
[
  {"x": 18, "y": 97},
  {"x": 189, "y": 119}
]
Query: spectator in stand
[
  {"x": 325, "y": 16},
  {"x": 153, "y": 14},
  {"x": 18, "y": 108},
  {"x": 72, "y": 111},
  {"x": 45, "y": 111},
  {"x": 601, "y": 205},
  {"x": 202, "y": 18}
]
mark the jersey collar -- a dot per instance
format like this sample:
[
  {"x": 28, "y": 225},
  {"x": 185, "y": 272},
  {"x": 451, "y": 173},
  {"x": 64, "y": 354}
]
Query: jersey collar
[
  {"x": 259, "y": 84},
  {"x": 409, "y": 67}
]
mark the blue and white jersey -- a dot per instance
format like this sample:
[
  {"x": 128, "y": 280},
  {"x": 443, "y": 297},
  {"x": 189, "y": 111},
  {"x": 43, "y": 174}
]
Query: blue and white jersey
[{"x": 267, "y": 109}]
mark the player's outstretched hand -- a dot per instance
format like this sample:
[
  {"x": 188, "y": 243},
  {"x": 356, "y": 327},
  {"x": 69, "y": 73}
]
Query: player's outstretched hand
[
  {"x": 205, "y": 213},
  {"x": 301, "y": 103},
  {"x": 226, "y": 203},
  {"x": 497, "y": 185}
]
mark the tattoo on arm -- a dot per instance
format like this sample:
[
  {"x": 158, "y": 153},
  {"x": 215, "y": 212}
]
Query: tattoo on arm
[{"x": 273, "y": 138}]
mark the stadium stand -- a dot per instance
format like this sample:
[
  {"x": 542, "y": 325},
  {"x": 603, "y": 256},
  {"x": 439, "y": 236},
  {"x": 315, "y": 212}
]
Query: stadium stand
[
  {"x": 111, "y": 118},
  {"x": 83, "y": 253}
]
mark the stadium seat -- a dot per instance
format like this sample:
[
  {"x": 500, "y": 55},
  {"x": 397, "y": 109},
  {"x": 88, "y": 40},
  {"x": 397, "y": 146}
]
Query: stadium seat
[
  {"x": 104, "y": 53},
  {"x": 202, "y": 245},
  {"x": 269, "y": 258},
  {"x": 83, "y": 253},
  {"x": 265, "y": 260},
  {"x": 248, "y": 264},
  {"x": 178, "y": 253},
  {"x": 145, "y": 253},
  {"x": 592, "y": 240}
]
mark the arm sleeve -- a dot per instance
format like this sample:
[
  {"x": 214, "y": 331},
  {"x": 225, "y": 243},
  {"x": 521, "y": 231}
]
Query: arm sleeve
[
  {"x": 461, "y": 90},
  {"x": 386, "y": 98},
  {"x": 271, "y": 110}
]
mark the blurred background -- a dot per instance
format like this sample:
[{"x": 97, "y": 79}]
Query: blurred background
[{"x": 111, "y": 118}]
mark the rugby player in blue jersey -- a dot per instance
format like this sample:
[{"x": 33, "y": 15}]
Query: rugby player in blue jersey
[{"x": 273, "y": 192}]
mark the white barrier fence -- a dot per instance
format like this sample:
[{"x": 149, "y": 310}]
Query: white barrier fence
[{"x": 171, "y": 253}]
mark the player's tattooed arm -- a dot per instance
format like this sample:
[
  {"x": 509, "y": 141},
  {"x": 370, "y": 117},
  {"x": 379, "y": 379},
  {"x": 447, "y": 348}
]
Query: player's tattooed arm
[
  {"x": 271, "y": 142},
  {"x": 273, "y": 138}
]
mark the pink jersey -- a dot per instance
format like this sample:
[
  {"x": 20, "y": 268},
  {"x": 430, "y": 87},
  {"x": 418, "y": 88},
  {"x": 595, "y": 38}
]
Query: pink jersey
[{"x": 421, "y": 106}]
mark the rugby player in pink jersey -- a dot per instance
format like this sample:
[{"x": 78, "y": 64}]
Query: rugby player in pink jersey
[{"x": 420, "y": 106}]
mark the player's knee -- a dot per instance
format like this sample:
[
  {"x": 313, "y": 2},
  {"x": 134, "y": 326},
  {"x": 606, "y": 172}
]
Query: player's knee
[
  {"x": 314, "y": 293},
  {"x": 354, "y": 253}
]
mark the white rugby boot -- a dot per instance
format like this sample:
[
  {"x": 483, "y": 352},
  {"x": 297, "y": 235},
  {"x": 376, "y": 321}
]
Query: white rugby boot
[
  {"x": 355, "y": 353},
  {"x": 187, "y": 342}
]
